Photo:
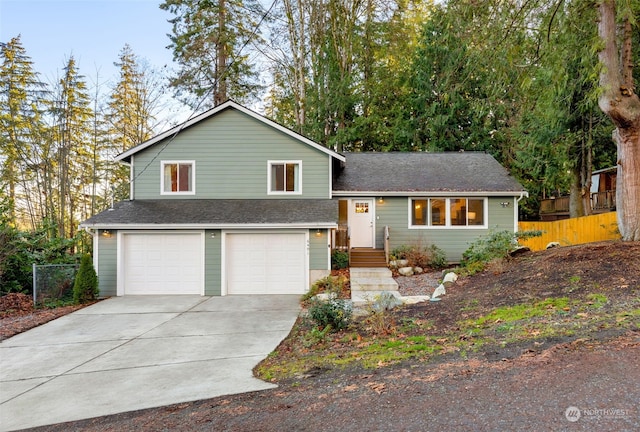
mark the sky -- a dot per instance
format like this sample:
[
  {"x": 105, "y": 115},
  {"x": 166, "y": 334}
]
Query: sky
[{"x": 93, "y": 31}]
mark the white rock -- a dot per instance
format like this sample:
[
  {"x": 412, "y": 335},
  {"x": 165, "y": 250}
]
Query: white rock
[
  {"x": 438, "y": 291},
  {"x": 326, "y": 296},
  {"x": 398, "y": 263},
  {"x": 552, "y": 245},
  {"x": 415, "y": 299},
  {"x": 406, "y": 271},
  {"x": 418, "y": 270},
  {"x": 449, "y": 278}
]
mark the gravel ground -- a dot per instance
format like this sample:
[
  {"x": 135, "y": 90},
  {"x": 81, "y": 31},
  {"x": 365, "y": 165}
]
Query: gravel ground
[{"x": 417, "y": 285}]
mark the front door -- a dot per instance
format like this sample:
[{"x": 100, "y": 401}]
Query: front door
[{"x": 361, "y": 223}]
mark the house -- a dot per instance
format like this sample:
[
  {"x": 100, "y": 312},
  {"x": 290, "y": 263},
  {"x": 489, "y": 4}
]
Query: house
[
  {"x": 602, "y": 197},
  {"x": 231, "y": 202}
]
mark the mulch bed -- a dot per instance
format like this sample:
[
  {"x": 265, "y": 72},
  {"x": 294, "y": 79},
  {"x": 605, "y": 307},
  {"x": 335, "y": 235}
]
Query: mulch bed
[{"x": 17, "y": 314}]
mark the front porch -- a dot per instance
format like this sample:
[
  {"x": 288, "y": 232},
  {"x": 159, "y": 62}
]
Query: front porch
[{"x": 361, "y": 257}]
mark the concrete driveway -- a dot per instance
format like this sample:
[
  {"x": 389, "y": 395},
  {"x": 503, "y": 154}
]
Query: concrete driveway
[{"x": 129, "y": 353}]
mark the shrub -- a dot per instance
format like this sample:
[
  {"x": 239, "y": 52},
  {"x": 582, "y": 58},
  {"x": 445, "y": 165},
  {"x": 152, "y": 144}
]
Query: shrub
[
  {"x": 497, "y": 245},
  {"x": 339, "y": 260},
  {"x": 85, "y": 287},
  {"x": 421, "y": 256},
  {"x": 19, "y": 250},
  {"x": 330, "y": 284},
  {"x": 335, "y": 313}
]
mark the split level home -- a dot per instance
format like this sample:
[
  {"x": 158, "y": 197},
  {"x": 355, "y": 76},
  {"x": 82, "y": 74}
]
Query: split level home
[{"x": 231, "y": 202}]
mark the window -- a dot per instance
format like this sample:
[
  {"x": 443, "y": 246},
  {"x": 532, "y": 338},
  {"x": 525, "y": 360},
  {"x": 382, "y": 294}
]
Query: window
[
  {"x": 447, "y": 212},
  {"x": 284, "y": 177},
  {"x": 362, "y": 207},
  {"x": 178, "y": 177}
]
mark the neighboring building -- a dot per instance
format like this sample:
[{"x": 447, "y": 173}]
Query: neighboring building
[
  {"x": 233, "y": 203},
  {"x": 602, "y": 196}
]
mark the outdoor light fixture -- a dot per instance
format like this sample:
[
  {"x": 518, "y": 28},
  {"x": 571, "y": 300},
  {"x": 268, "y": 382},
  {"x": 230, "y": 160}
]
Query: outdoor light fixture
[
  {"x": 380, "y": 200},
  {"x": 505, "y": 204},
  {"x": 213, "y": 235},
  {"x": 106, "y": 233},
  {"x": 318, "y": 233}
]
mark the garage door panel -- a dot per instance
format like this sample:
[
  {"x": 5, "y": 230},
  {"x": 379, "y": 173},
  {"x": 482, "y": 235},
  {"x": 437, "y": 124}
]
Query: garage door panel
[
  {"x": 266, "y": 263},
  {"x": 161, "y": 263}
]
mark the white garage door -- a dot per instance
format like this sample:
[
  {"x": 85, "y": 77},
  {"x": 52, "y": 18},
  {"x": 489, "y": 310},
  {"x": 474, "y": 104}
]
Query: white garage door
[
  {"x": 266, "y": 263},
  {"x": 162, "y": 263}
]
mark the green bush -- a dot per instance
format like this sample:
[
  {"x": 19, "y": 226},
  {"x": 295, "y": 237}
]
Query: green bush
[
  {"x": 335, "y": 313},
  {"x": 19, "y": 250},
  {"x": 339, "y": 260},
  {"x": 497, "y": 245},
  {"x": 421, "y": 256},
  {"x": 85, "y": 287}
]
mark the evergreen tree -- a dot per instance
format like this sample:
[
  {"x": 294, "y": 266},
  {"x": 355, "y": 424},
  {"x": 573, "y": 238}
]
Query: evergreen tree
[
  {"x": 72, "y": 135},
  {"x": 20, "y": 97},
  {"x": 207, "y": 39},
  {"x": 85, "y": 286},
  {"x": 562, "y": 134},
  {"x": 129, "y": 116}
]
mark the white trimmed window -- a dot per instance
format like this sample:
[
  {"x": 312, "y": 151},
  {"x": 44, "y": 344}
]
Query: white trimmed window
[
  {"x": 178, "y": 177},
  {"x": 447, "y": 212},
  {"x": 284, "y": 177}
]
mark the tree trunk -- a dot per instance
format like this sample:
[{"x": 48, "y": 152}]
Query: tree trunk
[
  {"x": 619, "y": 101},
  {"x": 220, "y": 92}
]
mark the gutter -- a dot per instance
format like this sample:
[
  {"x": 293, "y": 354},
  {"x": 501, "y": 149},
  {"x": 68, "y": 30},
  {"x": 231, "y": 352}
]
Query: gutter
[
  {"x": 254, "y": 226},
  {"x": 447, "y": 194}
]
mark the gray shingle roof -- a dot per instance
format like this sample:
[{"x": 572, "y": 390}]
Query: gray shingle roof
[
  {"x": 424, "y": 172},
  {"x": 218, "y": 213}
]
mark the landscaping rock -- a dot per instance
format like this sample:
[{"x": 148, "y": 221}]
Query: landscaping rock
[
  {"x": 398, "y": 263},
  {"x": 406, "y": 271},
  {"x": 552, "y": 245},
  {"x": 449, "y": 278},
  {"x": 326, "y": 296},
  {"x": 418, "y": 270},
  {"x": 386, "y": 301},
  {"x": 519, "y": 250},
  {"x": 438, "y": 292}
]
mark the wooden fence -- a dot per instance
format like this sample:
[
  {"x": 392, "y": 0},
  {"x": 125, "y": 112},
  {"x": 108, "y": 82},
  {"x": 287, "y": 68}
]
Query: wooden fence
[{"x": 587, "y": 229}]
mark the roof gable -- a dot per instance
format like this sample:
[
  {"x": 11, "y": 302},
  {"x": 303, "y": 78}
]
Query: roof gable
[
  {"x": 421, "y": 172},
  {"x": 169, "y": 134}
]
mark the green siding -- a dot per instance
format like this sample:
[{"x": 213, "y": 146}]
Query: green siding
[
  {"x": 318, "y": 251},
  {"x": 107, "y": 264},
  {"x": 231, "y": 151},
  {"x": 213, "y": 263},
  {"x": 394, "y": 212}
]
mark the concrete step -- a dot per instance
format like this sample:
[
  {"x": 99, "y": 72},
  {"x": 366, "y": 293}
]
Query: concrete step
[
  {"x": 369, "y": 273},
  {"x": 373, "y": 284}
]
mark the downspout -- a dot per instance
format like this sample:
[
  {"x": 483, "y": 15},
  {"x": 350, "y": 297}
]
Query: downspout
[
  {"x": 515, "y": 210},
  {"x": 94, "y": 237}
]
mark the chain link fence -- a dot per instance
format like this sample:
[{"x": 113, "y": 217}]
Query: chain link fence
[{"x": 53, "y": 282}]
